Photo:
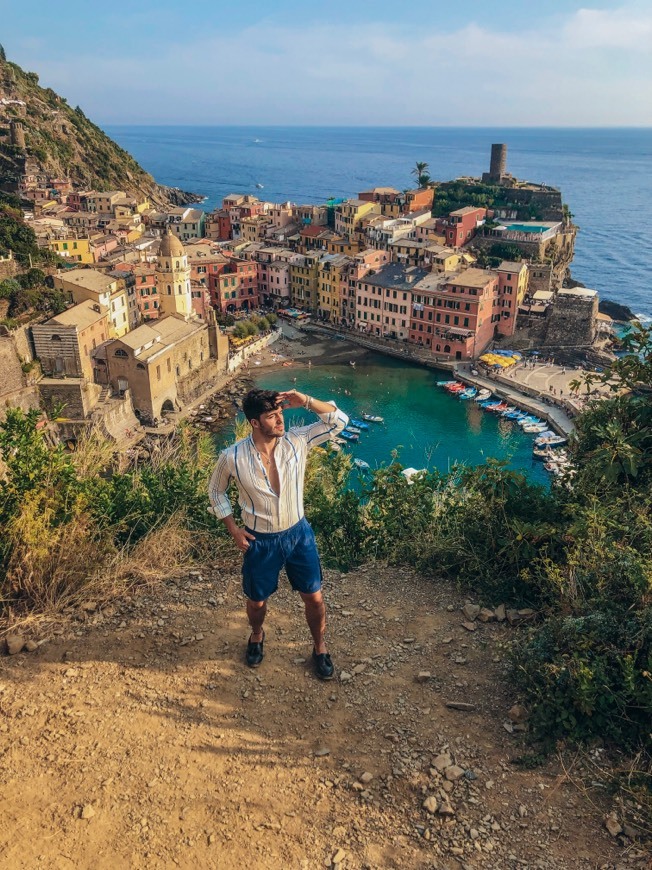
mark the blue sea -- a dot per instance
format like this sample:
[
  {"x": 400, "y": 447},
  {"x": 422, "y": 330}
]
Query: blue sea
[{"x": 605, "y": 176}]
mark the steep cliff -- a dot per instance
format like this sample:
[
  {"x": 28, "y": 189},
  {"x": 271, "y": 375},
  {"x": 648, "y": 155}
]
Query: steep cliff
[{"x": 52, "y": 137}]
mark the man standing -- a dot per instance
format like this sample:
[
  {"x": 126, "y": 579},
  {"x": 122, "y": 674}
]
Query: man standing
[{"x": 268, "y": 468}]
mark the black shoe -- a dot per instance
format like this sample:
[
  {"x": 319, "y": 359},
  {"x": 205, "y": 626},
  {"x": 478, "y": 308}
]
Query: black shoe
[
  {"x": 255, "y": 652},
  {"x": 323, "y": 665}
]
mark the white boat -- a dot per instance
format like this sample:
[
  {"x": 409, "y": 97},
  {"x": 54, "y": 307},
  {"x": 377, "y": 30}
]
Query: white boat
[
  {"x": 360, "y": 463},
  {"x": 535, "y": 428},
  {"x": 409, "y": 473},
  {"x": 549, "y": 439},
  {"x": 483, "y": 395},
  {"x": 371, "y": 418},
  {"x": 353, "y": 430}
]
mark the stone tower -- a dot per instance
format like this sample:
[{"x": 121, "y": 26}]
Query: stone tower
[
  {"x": 498, "y": 164},
  {"x": 173, "y": 278},
  {"x": 17, "y": 135}
]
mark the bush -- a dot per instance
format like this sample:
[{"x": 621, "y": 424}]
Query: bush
[{"x": 589, "y": 676}]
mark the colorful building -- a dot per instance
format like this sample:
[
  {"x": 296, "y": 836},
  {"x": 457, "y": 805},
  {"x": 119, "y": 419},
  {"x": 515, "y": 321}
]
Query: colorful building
[
  {"x": 64, "y": 343},
  {"x": 384, "y": 300},
  {"x": 460, "y": 226},
  {"x": 332, "y": 276},
  {"x": 304, "y": 281},
  {"x": 395, "y": 203},
  {"x": 349, "y": 214},
  {"x": 107, "y": 292}
]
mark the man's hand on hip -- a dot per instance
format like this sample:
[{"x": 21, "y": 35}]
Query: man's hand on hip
[{"x": 241, "y": 538}]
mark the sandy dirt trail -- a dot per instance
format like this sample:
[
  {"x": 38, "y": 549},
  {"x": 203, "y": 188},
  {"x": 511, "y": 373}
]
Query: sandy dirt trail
[{"x": 136, "y": 737}]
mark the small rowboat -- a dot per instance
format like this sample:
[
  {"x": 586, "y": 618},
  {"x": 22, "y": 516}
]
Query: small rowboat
[
  {"x": 353, "y": 430},
  {"x": 371, "y": 418},
  {"x": 360, "y": 463},
  {"x": 359, "y": 424},
  {"x": 349, "y": 436}
]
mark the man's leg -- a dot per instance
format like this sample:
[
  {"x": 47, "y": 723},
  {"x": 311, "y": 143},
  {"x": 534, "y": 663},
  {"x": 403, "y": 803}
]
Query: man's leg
[
  {"x": 316, "y": 618},
  {"x": 256, "y": 611}
]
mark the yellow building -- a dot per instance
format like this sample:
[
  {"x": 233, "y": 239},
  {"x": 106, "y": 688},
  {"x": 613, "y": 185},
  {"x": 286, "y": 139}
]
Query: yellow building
[
  {"x": 332, "y": 277},
  {"x": 514, "y": 280},
  {"x": 441, "y": 258},
  {"x": 304, "y": 282},
  {"x": 107, "y": 292},
  {"x": 71, "y": 248},
  {"x": 349, "y": 214},
  {"x": 173, "y": 277}
]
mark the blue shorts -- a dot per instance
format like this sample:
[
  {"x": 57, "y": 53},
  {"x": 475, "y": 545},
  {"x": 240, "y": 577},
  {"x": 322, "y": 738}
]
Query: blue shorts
[{"x": 295, "y": 549}]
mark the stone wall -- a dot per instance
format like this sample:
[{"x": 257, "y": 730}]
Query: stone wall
[
  {"x": 200, "y": 381},
  {"x": 572, "y": 321},
  {"x": 77, "y": 395},
  {"x": 12, "y": 377},
  {"x": 27, "y": 399}
]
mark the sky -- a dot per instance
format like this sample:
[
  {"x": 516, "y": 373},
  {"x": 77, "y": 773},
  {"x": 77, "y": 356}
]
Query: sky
[{"x": 341, "y": 62}]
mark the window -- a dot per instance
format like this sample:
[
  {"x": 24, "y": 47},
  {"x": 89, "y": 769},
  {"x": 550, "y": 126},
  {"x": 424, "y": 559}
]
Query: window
[
  {"x": 55, "y": 338},
  {"x": 122, "y": 354}
]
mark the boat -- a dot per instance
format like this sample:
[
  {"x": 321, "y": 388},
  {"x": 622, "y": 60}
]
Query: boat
[
  {"x": 455, "y": 386},
  {"x": 471, "y": 393},
  {"x": 550, "y": 440},
  {"x": 259, "y": 186},
  {"x": 509, "y": 410},
  {"x": 535, "y": 428},
  {"x": 360, "y": 463},
  {"x": 353, "y": 429},
  {"x": 524, "y": 421},
  {"x": 483, "y": 395},
  {"x": 409, "y": 473},
  {"x": 359, "y": 424},
  {"x": 371, "y": 418},
  {"x": 349, "y": 436},
  {"x": 497, "y": 409},
  {"x": 445, "y": 383}
]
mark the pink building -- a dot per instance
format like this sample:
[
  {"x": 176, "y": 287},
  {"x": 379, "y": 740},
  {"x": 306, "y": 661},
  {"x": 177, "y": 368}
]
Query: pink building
[
  {"x": 463, "y": 311},
  {"x": 460, "y": 225},
  {"x": 384, "y": 300}
]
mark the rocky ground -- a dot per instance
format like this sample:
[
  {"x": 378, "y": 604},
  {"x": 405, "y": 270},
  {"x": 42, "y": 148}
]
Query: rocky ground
[{"x": 134, "y": 736}]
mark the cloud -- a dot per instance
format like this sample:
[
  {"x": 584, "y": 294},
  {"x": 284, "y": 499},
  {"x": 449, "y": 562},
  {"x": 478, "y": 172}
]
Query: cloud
[{"x": 590, "y": 68}]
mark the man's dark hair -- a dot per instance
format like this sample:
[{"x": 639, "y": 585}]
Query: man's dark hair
[{"x": 258, "y": 402}]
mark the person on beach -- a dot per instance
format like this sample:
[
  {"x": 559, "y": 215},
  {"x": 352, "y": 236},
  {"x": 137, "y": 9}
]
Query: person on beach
[{"x": 268, "y": 468}]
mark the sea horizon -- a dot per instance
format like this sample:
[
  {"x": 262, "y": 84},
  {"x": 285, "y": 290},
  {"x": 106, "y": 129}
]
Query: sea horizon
[{"x": 603, "y": 173}]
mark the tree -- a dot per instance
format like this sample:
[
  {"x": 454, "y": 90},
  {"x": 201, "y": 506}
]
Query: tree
[
  {"x": 421, "y": 173},
  {"x": 3, "y": 56}
]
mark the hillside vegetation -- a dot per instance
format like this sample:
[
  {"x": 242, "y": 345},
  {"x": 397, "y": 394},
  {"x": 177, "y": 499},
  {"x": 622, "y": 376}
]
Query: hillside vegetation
[{"x": 66, "y": 143}]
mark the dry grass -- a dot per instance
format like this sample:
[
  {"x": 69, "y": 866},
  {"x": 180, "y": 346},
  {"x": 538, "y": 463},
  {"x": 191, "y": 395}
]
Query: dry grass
[
  {"x": 56, "y": 570},
  {"x": 629, "y": 779}
]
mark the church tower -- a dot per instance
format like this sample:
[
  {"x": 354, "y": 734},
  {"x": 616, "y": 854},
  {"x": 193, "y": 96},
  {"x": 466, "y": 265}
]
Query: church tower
[{"x": 173, "y": 278}]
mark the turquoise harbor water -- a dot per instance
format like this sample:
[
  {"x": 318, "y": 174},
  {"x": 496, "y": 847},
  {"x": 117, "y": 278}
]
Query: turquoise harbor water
[{"x": 430, "y": 428}]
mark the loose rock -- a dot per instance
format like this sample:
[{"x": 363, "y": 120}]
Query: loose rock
[
  {"x": 15, "y": 643},
  {"x": 471, "y": 611},
  {"x": 430, "y": 804},
  {"x": 612, "y": 824}
]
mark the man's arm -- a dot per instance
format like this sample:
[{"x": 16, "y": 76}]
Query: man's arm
[
  {"x": 221, "y": 505},
  {"x": 331, "y": 423}
]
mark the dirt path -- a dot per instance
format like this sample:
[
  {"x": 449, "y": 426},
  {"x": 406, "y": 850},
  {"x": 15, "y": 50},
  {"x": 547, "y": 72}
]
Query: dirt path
[{"x": 138, "y": 739}]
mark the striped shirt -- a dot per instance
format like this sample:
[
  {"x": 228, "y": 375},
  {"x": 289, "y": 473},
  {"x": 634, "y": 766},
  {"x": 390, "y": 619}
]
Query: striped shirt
[{"x": 262, "y": 509}]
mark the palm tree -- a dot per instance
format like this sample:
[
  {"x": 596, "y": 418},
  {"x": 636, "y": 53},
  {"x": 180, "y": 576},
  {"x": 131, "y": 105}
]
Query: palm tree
[{"x": 421, "y": 173}]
